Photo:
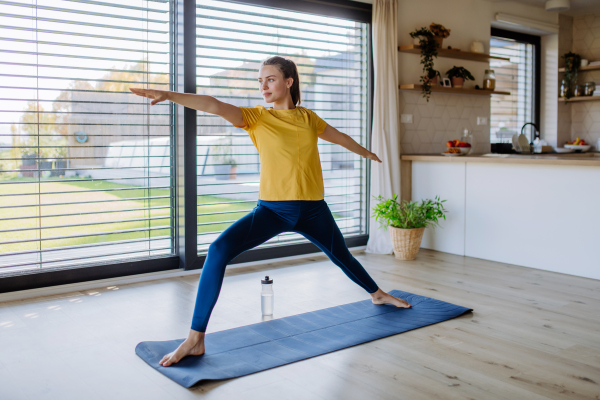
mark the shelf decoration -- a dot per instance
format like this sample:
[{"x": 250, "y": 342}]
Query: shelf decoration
[
  {"x": 579, "y": 98},
  {"x": 429, "y": 47},
  {"x": 586, "y": 68},
  {"x": 572, "y": 63},
  {"x": 439, "y": 32},
  {"x": 481, "y": 92},
  {"x": 459, "y": 75},
  {"x": 453, "y": 53}
]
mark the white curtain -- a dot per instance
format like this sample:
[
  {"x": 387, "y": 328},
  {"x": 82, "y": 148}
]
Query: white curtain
[{"x": 385, "y": 177}]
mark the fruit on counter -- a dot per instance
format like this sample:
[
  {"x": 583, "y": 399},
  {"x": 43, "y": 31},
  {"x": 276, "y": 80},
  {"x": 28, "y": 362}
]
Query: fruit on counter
[
  {"x": 457, "y": 143},
  {"x": 453, "y": 150},
  {"x": 578, "y": 142}
]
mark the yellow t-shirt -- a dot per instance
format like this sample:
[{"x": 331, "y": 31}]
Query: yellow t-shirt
[{"x": 286, "y": 140}]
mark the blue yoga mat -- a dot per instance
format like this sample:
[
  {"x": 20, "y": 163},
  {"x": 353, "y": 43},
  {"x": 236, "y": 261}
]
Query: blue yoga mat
[{"x": 253, "y": 348}]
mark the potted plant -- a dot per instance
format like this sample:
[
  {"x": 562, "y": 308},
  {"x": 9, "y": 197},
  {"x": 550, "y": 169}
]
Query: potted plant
[
  {"x": 429, "y": 48},
  {"x": 572, "y": 63},
  {"x": 407, "y": 221},
  {"x": 433, "y": 76},
  {"x": 459, "y": 75},
  {"x": 439, "y": 32}
]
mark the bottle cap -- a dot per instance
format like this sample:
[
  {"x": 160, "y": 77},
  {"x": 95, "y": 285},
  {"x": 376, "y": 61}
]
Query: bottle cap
[{"x": 266, "y": 280}]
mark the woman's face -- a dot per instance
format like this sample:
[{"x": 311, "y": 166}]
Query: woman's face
[{"x": 272, "y": 85}]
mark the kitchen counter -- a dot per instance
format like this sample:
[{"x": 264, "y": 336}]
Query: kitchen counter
[
  {"x": 538, "y": 211},
  {"x": 584, "y": 159}
]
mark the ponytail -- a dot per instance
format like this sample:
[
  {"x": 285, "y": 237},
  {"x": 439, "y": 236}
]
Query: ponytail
[{"x": 289, "y": 70}]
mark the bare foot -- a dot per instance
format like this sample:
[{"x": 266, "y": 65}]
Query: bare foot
[
  {"x": 381, "y": 297},
  {"x": 192, "y": 346}
]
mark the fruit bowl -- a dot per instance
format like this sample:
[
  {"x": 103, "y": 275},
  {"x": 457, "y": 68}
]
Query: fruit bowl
[
  {"x": 464, "y": 147},
  {"x": 463, "y": 150},
  {"x": 583, "y": 148}
]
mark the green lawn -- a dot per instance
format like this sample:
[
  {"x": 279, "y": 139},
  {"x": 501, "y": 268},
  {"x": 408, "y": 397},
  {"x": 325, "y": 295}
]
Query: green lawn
[
  {"x": 96, "y": 213},
  {"x": 94, "y": 216}
]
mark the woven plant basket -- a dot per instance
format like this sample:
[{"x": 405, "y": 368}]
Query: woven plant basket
[{"x": 406, "y": 242}]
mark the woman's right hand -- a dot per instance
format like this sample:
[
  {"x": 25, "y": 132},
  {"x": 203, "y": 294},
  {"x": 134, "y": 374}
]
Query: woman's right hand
[{"x": 156, "y": 95}]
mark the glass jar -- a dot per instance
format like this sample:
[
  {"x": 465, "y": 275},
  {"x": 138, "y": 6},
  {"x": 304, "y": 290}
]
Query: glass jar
[
  {"x": 579, "y": 90},
  {"x": 564, "y": 88},
  {"x": 589, "y": 88},
  {"x": 489, "y": 80}
]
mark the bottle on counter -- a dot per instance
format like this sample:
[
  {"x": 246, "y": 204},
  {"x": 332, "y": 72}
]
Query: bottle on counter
[
  {"x": 489, "y": 80},
  {"x": 266, "y": 296}
]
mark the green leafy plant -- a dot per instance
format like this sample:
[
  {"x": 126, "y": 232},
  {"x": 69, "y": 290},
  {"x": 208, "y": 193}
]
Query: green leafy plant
[
  {"x": 429, "y": 50},
  {"x": 408, "y": 214},
  {"x": 460, "y": 72},
  {"x": 572, "y": 64},
  {"x": 432, "y": 73}
]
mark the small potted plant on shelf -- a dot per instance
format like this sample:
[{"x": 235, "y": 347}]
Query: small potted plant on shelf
[
  {"x": 429, "y": 48},
  {"x": 433, "y": 76},
  {"x": 572, "y": 63},
  {"x": 459, "y": 75},
  {"x": 407, "y": 221},
  {"x": 439, "y": 32}
]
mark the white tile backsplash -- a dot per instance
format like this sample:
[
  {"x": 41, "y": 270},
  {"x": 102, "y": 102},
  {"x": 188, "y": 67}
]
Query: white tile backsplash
[{"x": 441, "y": 119}]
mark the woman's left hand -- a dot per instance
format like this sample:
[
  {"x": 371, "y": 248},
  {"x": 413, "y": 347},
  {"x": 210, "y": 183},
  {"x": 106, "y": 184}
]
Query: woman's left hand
[{"x": 373, "y": 156}]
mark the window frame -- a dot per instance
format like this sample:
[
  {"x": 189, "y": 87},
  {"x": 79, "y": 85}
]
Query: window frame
[
  {"x": 536, "y": 41},
  {"x": 183, "y": 42}
]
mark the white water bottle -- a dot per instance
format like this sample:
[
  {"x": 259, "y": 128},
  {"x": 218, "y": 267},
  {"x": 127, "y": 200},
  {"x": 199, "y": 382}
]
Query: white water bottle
[{"x": 266, "y": 296}]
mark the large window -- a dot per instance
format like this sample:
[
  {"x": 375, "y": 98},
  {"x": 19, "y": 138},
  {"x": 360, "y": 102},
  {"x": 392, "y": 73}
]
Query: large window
[
  {"x": 520, "y": 77},
  {"x": 332, "y": 57},
  {"x": 85, "y": 165},
  {"x": 95, "y": 183}
]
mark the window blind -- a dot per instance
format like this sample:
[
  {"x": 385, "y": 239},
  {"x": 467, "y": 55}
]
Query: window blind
[
  {"x": 509, "y": 113},
  {"x": 332, "y": 57},
  {"x": 85, "y": 166}
]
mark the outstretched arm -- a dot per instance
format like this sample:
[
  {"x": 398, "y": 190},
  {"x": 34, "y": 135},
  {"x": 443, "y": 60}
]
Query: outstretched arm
[
  {"x": 198, "y": 102},
  {"x": 334, "y": 136}
]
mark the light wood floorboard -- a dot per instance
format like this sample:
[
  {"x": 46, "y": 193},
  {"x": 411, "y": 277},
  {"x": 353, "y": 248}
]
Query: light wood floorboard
[{"x": 533, "y": 335}]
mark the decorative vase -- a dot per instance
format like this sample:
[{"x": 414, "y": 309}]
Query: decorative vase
[
  {"x": 439, "y": 40},
  {"x": 232, "y": 172},
  {"x": 457, "y": 82},
  {"x": 477, "y": 47},
  {"x": 406, "y": 242}
]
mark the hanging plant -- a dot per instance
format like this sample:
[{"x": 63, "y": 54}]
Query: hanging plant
[
  {"x": 572, "y": 63},
  {"x": 429, "y": 50}
]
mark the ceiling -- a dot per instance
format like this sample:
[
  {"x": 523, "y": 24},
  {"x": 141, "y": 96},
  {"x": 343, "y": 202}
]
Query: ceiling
[{"x": 578, "y": 7}]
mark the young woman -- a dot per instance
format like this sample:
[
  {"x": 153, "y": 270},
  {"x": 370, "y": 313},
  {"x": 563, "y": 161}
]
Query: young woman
[{"x": 290, "y": 193}]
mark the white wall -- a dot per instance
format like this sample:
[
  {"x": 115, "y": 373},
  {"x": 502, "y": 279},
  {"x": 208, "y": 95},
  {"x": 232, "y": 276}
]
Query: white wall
[{"x": 445, "y": 115}]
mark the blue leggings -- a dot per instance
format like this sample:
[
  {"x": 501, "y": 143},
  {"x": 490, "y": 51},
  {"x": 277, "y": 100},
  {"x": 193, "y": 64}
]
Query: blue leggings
[{"x": 311, "y": 218}]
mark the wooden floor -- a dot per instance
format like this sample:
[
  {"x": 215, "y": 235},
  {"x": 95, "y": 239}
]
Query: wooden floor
[{"x": 532, "y": 335}]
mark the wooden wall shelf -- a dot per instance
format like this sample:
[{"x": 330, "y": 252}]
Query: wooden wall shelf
[
  {"x": 443, "y": 89},
  {"x": 580, "y": 98},
  {"x": 461, "y": 55},
  {"x": 586, "y": 68}
]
